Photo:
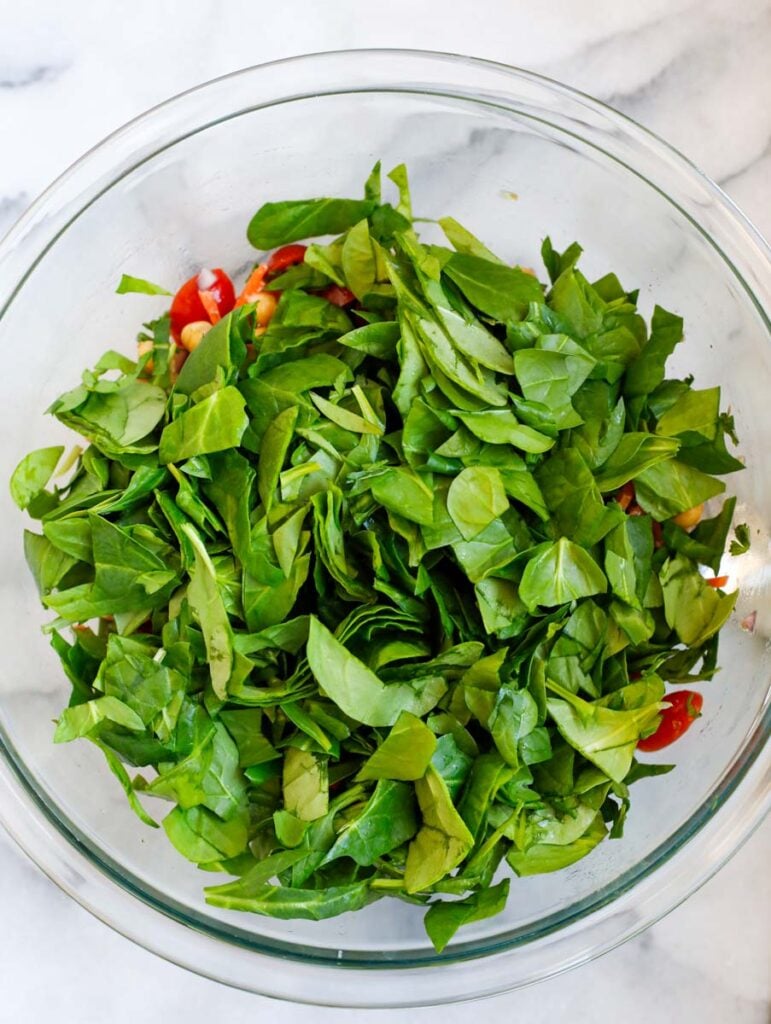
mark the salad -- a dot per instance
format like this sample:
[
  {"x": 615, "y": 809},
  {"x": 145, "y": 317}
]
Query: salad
[{"x": 381, "y": 570}]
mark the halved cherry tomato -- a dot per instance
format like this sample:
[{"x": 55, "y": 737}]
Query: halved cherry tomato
[
  {"x": 187, "y": 305},
  {"x": 675, "y": 720},
  {"x": 625, "y": 495},
  {"x": 338, "y": 296},
  {"x": 286, "y": 256},
  {"x": 717, "y": 582}
]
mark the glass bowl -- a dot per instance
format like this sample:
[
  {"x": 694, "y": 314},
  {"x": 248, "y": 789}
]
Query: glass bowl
[{"x": 512, "y": 156}]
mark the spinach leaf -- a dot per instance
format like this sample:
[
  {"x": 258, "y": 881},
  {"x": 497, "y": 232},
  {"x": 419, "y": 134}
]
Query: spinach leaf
[
  {"x": 501, "y": 292},
  {"x": 476, "y": 497},
  {"x": 129, "y": 284},
  {"x": 560, "y": 572},
  {"x": 214, "y": 424},
  {"x": 404, "y": 754},
  {"x": 632, "y": 456},
  {"x": 33, "y": 473},
  {"x": 208, "y": 606},
  {"x": 305, "y": 784},
  {"x": 693, "y": 609},
  {"x": 671, "y": 487},
  {"x": 605, "y": 737},
  {"x": 443, "y": 918},
  {"x": 289, "y": 902},
  {"x": 443, "y": 840},
  {"x": 357, "y": 691},
  {"x": 541, "y": 858},
  {"x": 204, "y": 838},
  {"x": 279, "y": 223},
  {"x": 647, "y": 371},
  {"x": 388, "y": 820}
]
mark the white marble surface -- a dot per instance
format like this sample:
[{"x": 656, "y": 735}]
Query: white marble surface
[{"x": 696, "y": 72}]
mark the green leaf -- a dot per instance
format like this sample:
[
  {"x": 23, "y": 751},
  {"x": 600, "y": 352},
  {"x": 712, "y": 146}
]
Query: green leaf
[
  {"x": 47, "y": 563},
  {"x": 388, "y": 820},
  {"x": 464, "y": 242},
  {"x": 33, "y": 473},
  {"x": 647, "y": 371},
  {"x": 741, "y": 545},
  {"x": 290, "y": 903},
  {"x": 692, "y": 608},
  {"x": 202, "y": 837},
  {"x": 359, "y": 260},
  {"x": 216, "y": 423},
  {"x": 405, "y": 492},
  {"x": 129, "y": 284},
  {"x": 671, "y": 487},
  {"x": 279, "y": 223},
  {"x": 558, "y": 573},
  {"x": 218, "y": 358},
  {"x": 504, "y": 293},
  {"x": 443, "y": 840},
  {"x": 305, "y": 784},
  {"x": 574, "y": 499},
  {"x": 605, "y": 737},
  {"x": 541, "y": 858},
  {"x": 694, "y": 416},
  {"x": 502, "y": 427},
  {"x": 404, "y": 754},
  {"x": 117, "y": 768},
  {"x": 634, "y": 454},
  {"x": 476, "y": 497},
  {"x": 443, "y": 918},
  {"x": 82, "y": 719},
  {"x": 275, "y": 445},
  {"x": 208, "y": 607},
  {"x": 514, "y": 717},
  {"x": 357, "y": 691}
]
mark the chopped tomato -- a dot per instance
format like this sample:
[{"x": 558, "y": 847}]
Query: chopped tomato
[
  {"x": 717, "y": 582},
  {"x": 338, "y": 296},
  {"x": 188, "y": 306},
  {"x": 625, "y": 495},
  {"x": 285, "y": 257},
  {"x": 658, "y": 535},
  {"x": 685, "y": 708},
  {"x": 254, "y": 285},
  {"x": 209, "y": 303}
]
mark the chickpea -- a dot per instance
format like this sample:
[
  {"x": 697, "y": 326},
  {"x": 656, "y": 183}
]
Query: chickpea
[
  {"x": 690, "y": 517},
  {"x": 265, "y": 308},
  {"x": 143, "y": 347},
  {"x": 528, "y": 270},
  {"x": 191, "y": 334}
]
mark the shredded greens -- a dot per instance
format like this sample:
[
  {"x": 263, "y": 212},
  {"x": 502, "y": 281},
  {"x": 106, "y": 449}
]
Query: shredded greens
[{"x": 357, "y": 594}]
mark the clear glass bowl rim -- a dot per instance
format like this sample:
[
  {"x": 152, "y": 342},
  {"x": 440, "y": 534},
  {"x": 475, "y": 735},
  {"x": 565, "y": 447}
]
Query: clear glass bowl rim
[{"x": 552, "y": 945}]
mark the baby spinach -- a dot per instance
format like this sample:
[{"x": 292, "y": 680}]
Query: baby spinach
[{"x": 382, "y": 595}]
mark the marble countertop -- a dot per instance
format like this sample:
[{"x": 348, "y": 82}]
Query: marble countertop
[{"x": 698, "y": 73}]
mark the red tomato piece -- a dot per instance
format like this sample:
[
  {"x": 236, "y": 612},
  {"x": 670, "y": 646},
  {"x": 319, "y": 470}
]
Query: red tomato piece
[
  {"x": 718, "y": 582},
  {"x": 338, "y": 296},
  {"x": 285, "y": 257},
  {"x": 675, "y": 720},
  {"x": 187, "y": 307},
  {"x": 625, "y": 495}
]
